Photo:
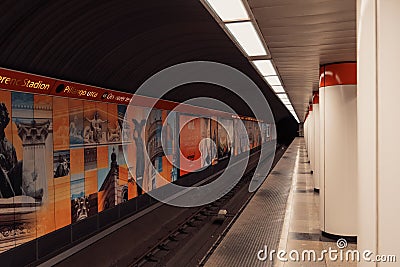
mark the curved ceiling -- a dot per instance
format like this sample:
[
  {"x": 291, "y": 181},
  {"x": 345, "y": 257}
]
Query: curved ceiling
[{"x": 119, "y": 44}]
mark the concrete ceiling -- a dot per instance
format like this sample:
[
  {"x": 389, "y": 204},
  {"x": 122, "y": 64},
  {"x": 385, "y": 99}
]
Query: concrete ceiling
[{"x": 301, "y": 36}]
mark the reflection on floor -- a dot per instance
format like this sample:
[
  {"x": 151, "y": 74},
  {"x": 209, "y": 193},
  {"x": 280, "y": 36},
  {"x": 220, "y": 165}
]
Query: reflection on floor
[
  {"x": 301, "y": 229},
  {"x": 282, "y": 215}
]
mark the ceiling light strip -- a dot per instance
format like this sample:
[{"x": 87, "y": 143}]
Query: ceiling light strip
[
  {"x": 240, "y": 25},
  {"x": 229, "y": 10},
  {"x": 247, "y": 37}
]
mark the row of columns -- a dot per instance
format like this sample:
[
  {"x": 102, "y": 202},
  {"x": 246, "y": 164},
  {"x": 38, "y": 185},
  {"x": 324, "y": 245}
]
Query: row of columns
[
  {"x": 351, "y": 134},
  {"x": 331, "y": 138}
]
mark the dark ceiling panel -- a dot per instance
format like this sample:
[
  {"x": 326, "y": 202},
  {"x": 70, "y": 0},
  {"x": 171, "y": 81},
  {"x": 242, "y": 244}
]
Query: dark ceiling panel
[{"x": 119, "y": 44}]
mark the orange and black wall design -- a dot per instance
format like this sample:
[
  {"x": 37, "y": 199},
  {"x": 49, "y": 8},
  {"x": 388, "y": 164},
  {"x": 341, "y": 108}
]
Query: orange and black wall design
[{"x": 63, "y": 160}]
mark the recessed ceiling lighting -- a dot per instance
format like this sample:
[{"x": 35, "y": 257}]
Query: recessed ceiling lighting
[
  {"x": 273, "y": 80},
  {"x": 265, "y": 67},
  {"x": 247, "y": 37},
  {"x": 229, "y": 10},
  {"x": 278, "y": 88},
  {"x": 282, "y": 96}
]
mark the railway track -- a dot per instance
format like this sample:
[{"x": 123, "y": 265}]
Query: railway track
[{"x": 194, "y": 239}]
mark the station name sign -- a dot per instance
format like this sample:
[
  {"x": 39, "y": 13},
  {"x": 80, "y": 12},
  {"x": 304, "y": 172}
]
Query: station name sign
[
  {"x": 30, "y": 83},
  {"x": 24, "y": 82}
]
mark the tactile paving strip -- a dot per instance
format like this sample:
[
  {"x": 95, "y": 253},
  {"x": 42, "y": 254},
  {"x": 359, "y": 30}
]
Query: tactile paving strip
[{"x": 261, "y": 222}]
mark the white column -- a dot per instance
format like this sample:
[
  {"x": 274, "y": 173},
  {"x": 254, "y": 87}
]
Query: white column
[
  {"x": 322, "y": 155},
  {"x": 339, "y": 191},
  {"x": 378, "y": 127},
  {"x": 311, "y": 138},
  {"x": 316, "y": 142},
  {"x": 306, "y": 133}
]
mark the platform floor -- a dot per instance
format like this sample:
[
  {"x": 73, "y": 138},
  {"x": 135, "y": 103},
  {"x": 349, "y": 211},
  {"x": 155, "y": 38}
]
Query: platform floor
[{"x": 282, "y": 215}]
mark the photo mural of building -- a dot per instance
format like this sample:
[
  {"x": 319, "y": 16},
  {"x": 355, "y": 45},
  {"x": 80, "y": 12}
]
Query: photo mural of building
[
  {"x": 169, "y": 137},
  {"x": 111, "y": 192},
  {"x": 64, "y": 159},
  {"x": 154, "y": 148}
]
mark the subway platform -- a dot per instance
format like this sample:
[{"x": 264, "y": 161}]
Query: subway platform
[{"x": 282, "y": 215}]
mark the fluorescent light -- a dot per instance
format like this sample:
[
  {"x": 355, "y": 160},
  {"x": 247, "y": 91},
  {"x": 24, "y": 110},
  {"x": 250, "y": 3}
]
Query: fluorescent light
[
  {"x": 295, "y": 116},
  {"x": 282, "y": 96},
  {"x": 278, "y": 88},
  {"x": 229, "y": 10},
  {"x": 265, "y": 67},
  {"x": 273, "y": 80},
  {"x": 247, "y": 37},
  {"x": 285, "y": 101}
]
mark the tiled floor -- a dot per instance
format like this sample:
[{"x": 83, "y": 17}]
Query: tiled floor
[
  {"x": 282, "y": 215},
  {"x": 301, "y": 230}
]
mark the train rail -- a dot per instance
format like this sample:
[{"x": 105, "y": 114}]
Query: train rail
[{"x": 194, "y": 239}]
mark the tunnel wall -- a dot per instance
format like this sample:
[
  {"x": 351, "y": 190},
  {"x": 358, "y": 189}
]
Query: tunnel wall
[{"x": 72, "y": 157}]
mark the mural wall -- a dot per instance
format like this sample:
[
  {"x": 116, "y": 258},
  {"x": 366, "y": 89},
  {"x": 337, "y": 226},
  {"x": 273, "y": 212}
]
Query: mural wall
[{"x": 64, "y": 159}]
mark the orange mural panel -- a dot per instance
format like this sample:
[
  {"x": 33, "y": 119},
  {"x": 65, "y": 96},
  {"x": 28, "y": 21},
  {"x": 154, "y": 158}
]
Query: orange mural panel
[
  {"x": 190, "y": 137},
  {"x": 90, "y": 182},
  {"x": 102, "y": 157},
  {"x": 77, "y": 161},
  {"x": 62, "y": 195},
  {"x": 100, "y": 199},
  {"x": 60, "y": 123},
  {"x": 123, "y": 175}
]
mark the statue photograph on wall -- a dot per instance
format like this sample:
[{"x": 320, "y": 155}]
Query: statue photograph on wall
[
  {"x": 75, "y": 122},
  {"x": 61, "y": 163},
  {"x": 114, "y": 133},
  {"x": 25, "y": 137},
  {"x": 94, "y": 124},
  {"x": 135, "y": 121},
  {"x": 225, "y": 136}
]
